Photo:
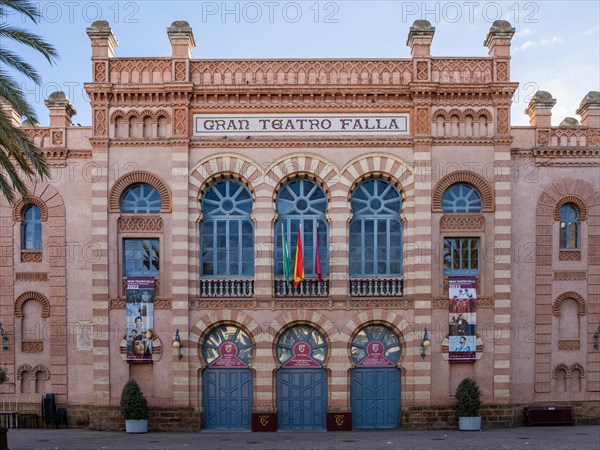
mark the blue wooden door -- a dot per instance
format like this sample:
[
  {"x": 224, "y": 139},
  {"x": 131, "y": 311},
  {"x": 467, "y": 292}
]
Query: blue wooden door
[
  {"x": 301, "y": 398},
  {"x": 375, "y": 398},
  {"x": 227, "y": 399}
]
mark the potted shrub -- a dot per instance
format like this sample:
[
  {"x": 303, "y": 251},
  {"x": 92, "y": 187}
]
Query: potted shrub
[
  {"x": 468, "y": 404},
  {"x": 134, "y": 408}
]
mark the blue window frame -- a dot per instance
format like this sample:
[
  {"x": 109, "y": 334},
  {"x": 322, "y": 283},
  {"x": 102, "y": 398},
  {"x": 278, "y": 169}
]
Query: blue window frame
[
  {"x": 227, "y": 233},
  {"x": 141, "y": 199},
  {"x": 141, "y": 257},
  {"x": 375, "y": 230},
  {"x": 302, "y": 203},
  {"x": 461, "y": 256},
  {"x": 569, "y": 226},
  {"x": 31, "y": 228},
  {"x": 461, "y": 198}
]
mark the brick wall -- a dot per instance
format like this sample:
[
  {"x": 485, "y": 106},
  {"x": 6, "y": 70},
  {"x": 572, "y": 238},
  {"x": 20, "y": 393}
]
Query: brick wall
[{"x": 412, "y": 418}]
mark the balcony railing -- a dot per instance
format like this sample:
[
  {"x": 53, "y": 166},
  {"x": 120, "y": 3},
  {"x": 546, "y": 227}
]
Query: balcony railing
[
  {"x": 376, "y": 287},
  {"x": 306, "y": 288},
  {"x": 227, "y": 288}
]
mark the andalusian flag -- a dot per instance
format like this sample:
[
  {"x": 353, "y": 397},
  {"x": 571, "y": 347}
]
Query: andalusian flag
[
  {"x": 299, "y": 262},
  {"x": 286, "y": 257}
]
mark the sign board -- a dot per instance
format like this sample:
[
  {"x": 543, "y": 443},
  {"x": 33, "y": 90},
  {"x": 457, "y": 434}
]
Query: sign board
[{"x": 245, "y": 125}]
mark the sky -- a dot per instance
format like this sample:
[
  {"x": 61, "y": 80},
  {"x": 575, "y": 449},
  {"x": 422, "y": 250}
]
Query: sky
[{"x": 556, "y": 47}]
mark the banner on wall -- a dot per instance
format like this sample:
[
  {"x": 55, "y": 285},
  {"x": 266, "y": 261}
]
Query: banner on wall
[
  {"x": 140, "y": 319},
  {"x": 462, "y": 319}
]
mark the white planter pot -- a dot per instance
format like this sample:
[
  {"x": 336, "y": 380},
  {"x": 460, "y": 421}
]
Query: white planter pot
[
  {"x": 469, "y": 423},
  {"x": 136, "y": 426}
]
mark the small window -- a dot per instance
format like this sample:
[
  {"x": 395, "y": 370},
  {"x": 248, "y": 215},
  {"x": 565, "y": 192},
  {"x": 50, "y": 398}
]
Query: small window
[
  {"x": 461, "y": 256},
  {"x": 141, "y": 199},
  {"x": 569, "y": 227},
  {"x": 141, "y": 257},
  {"x": 461, "y": 198},
  {"x": 31, "y": 234}
]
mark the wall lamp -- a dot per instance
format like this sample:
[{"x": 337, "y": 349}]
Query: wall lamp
[
  {"x": 177, "y": 344},
  {"x": 425, "y": 343},
  {"x": 4, "y": 338}
]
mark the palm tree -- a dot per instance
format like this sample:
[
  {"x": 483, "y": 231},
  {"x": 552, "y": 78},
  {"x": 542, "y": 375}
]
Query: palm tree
[{"x": 19, "y": 157}]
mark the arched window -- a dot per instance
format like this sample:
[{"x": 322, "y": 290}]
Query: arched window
[
  {"x": 31, "y": 228},
  {"x": 302, "y": 204},
  {"x": 375, "y": 230},
  {"x": 569, "y": 226},
  {"x": 227, "y": 233},
  {"x": 141, "y": 199},
  {"x": 461, "y": 198}
]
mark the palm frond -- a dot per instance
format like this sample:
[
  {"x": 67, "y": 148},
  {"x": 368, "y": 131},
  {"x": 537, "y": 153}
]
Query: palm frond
[
  {"x": 13, "y": 60},
  {"x": 30, "y": 40},
  {"x": 22, "y": 6},
  {"x": 11, "y": 93}
]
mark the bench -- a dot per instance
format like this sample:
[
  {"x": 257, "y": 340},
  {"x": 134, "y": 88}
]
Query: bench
[{"x": 549, "y": 415}]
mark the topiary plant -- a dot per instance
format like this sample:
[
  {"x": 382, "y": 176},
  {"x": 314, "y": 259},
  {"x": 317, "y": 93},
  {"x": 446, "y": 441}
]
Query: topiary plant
[
  {"x": 468, "y": 400},
  {"x": 134, "y": 405}
]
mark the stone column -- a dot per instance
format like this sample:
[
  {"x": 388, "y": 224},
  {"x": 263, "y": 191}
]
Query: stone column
[
  {"x": 182, "y": 42},
  {"x": 61, "y": 112},
  {"x": 498, "y": 44},
  {"x": 103, "y": 48},
  {"x": 540, "y": 116},
  {"x": 419, "y": 40},
  {"x": 103, "y": 44}
]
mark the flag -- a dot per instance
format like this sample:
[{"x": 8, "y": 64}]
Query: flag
[
  {"x": 299, "y": 261},
  {"x": 318, "y": 259},
  {"x": 286, "y": 257}
]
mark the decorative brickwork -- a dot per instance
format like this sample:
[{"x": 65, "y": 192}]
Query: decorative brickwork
[
  {"x": 502, "y": 71},
  {"x": 139, "y": 177},
  {"x": 31, "y": 276},
  {"x": 569, "y": 255},
  {"x": 464, "y": 176},
  {"x": 581, "y": 206},
  {"x": 140, "y": 224},
  {"x": 568, "y": 344},
  {"x": 23, "y": 202},
  {"x": 570, "y": 275},
  {"x": 462, "y": 222},
  {"x": 31, "y": 256},
  {"x": 545, "y": 218},
  {"x": 32, "y": 346},
  {"x": 32, "y": 296},
  {"x": 569, "y": 295}
]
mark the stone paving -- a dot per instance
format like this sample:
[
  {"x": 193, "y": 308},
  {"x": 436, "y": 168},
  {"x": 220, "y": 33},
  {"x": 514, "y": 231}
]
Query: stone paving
[{"x": 581, "y": 437}]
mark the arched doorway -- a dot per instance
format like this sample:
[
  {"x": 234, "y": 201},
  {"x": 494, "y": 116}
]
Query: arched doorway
[
  {"x": 375, "y": 384},
  {"x": 227, "y": 351},
  {"x": 301, "y": 381}
]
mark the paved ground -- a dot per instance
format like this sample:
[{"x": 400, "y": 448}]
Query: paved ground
[{"x": 581, "y": 437}]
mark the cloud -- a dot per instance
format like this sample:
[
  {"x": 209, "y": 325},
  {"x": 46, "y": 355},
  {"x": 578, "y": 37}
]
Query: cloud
[
  {"x": 525, "y": 45},
  {"x": 543, "y": 42},
  {"x": 551, "y": 41},
  {"x": 592, "y": 31},
  {"x": 524, "y": 32}
]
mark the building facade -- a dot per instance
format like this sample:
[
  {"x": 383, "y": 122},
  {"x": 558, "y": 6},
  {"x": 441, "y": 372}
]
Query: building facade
[{"x": 399, "y": 177}]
